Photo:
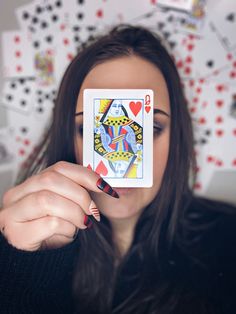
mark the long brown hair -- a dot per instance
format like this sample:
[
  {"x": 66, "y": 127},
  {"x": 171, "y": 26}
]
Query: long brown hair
[{"x": 96, "y": 277}]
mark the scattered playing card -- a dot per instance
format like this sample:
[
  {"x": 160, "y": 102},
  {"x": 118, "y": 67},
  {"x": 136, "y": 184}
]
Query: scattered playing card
[
  {"x": 82, "y": 13},
  {"x": 44, "y": 50},
  {"x": 118, "y": 135},
  {"x": 123, "y": 11},
  {"x": 177, "y": 4},
  {"x": 222, "y": 21},
  {"x": 18, "y": 94},
  {"x": 199, "y": 35},
  {"x": 193, "y": 22},
  {"x": 17, "y": 54},
  {"x": 5, "y": 155},
  {"x": 30, "y": 16},
  {"x": 43, "y": 104},
  {"x": 65, "y": 52}
]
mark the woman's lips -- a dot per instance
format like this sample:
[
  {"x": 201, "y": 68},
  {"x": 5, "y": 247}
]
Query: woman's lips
[{"x": 122, "y": 191}]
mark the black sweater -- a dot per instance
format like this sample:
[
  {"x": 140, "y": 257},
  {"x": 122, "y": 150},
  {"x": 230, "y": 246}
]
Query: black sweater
[{"x": 41, "y": 281}]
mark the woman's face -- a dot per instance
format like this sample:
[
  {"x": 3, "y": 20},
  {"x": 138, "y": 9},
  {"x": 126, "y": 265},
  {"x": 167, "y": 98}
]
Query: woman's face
[{"x": 131, "y": 72}]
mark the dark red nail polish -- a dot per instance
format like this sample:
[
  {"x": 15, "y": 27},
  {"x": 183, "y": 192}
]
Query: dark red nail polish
[
  {"x": 106, "y": 188},
  {"x": 87, "y": 222}
]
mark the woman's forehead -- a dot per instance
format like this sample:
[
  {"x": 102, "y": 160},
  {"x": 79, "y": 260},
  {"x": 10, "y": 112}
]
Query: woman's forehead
[{"x": 129, "y": 72}]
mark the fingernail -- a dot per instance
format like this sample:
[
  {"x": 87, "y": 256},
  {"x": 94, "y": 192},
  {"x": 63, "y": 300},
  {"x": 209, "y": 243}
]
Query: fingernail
[
  {"x": 94, "y": 211},
  {"x": 87, "y": 221},
  {"x": 105, "y": 187}
]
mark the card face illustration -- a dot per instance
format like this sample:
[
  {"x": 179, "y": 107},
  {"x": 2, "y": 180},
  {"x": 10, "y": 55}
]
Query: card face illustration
[{"x": 118, "y": 135}]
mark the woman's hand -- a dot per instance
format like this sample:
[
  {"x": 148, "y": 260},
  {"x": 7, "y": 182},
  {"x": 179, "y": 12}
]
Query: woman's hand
[{"x": 47, "y": 209}]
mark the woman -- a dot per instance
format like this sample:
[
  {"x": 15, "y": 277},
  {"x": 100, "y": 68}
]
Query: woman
[{"x": 149, "y": 250}]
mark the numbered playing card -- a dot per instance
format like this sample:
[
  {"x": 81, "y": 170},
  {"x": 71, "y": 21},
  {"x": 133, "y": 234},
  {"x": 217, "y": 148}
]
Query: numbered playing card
[
  {"x": 17, "y": 54},
  {"x": 177, "y": 4},
  {"x": 118, "y": 135}
]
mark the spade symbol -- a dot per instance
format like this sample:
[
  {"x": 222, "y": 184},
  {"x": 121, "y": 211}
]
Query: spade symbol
[
  {"x": 172, "y": 44},
  {"x": 160, "y": 25},
  {"x": 166, "y": 34},
  {"x": 230, "y": 17},
  {"x": 210, "y": 63}
]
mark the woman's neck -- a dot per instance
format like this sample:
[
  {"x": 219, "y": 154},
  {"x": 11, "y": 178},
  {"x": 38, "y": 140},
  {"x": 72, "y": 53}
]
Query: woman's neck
[{"x": 123, "y": 233}]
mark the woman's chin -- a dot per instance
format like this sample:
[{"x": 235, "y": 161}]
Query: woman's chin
[
  {"x": 130, "y": 203},
  {"x": 120, "y": 208},
  {"x": 123, "y": 191}
]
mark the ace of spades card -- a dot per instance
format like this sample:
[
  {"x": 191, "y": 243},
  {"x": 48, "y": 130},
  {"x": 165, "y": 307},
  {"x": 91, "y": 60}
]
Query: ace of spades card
[{"x": 118, "y": 135}]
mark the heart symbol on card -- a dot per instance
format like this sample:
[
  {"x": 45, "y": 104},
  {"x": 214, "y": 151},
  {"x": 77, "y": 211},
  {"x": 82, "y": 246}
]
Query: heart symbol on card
[
  {"x": 197, "y": 186},
  {"x": 101, "y": 169},
  {"x": 89, "y": 167},
  {"x": 202, "y": 120},
  {"x": 190, "y": 47},
  {"x": 147, "y": 108},
  {"x": 219, "y": 132},
  {"x": 219, "y": 163},
  {"x": 135, "y": 107},
  {"x": 219, "y": 103},
  {"x": 99, "y": 13}
]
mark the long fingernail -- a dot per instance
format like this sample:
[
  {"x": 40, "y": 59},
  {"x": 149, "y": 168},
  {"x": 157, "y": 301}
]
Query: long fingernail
[
  {"x": 87, "y": 221},
  {"x": 94, "y": 211},
  {"x": 105, "y": 187}
]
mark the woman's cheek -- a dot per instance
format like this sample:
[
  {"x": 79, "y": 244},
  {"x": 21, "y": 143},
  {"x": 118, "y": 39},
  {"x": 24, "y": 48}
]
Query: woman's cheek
[
  {"x": 79, "y": 151},
  {"x": 160, "y": 155}
]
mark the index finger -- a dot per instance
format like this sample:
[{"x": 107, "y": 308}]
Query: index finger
[
  {"x": 77, "y": 174},
  {"x": 83, "y": 176}
]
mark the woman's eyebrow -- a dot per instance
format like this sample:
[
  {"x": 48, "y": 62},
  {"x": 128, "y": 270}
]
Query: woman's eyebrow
[
  {"x": 155, "y": 111},
  {"x": 161, "y": 112},
  {"x": 79, "y": 113}
]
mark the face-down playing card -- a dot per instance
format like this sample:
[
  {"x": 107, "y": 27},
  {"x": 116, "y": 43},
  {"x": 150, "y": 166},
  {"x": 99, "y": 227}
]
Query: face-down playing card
[{"x": 118, "y": 135}]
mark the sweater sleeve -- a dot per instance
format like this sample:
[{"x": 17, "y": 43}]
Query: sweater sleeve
[{"x": 36, "y": 282}]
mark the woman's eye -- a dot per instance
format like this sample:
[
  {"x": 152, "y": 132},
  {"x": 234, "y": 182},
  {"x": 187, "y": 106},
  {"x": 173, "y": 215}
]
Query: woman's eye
[
  {"x": 79, "y": 130},
  {"x": 157, "y": 129}
]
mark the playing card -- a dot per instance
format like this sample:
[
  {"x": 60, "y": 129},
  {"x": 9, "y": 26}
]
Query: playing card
[
  {"x": 162, "y": 22},
  {"x": 123, "y": 11},
  {"x": 55, "y": 14},
  {"x": 26, "y": 133},
  {"x": 222, "y": 186},
  {"x": 215, "y": 121},
  {"x": 204, "y": 171},
  {"x": 43, "y": 104},
  {"x": 222, "y": 20},
  {"x": 118, "y": 135},
  {"x": 30, "y": 16},
  {"x": 193, "y": 21},
  {"x": 44, "y": 50},
  {"x": 17, "y": 54},
  {"x": 18, "y": 95},
  {"x": 5, "y": 155},
  {"x": 197, "y": 61},
  {"x": 42, "y": 14},
  {"x": 87, "y": 13},
  {"x": 66, "y": 48},
  {"x": 227, "y": 74},
  {"x": 177, "y": 4}
]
